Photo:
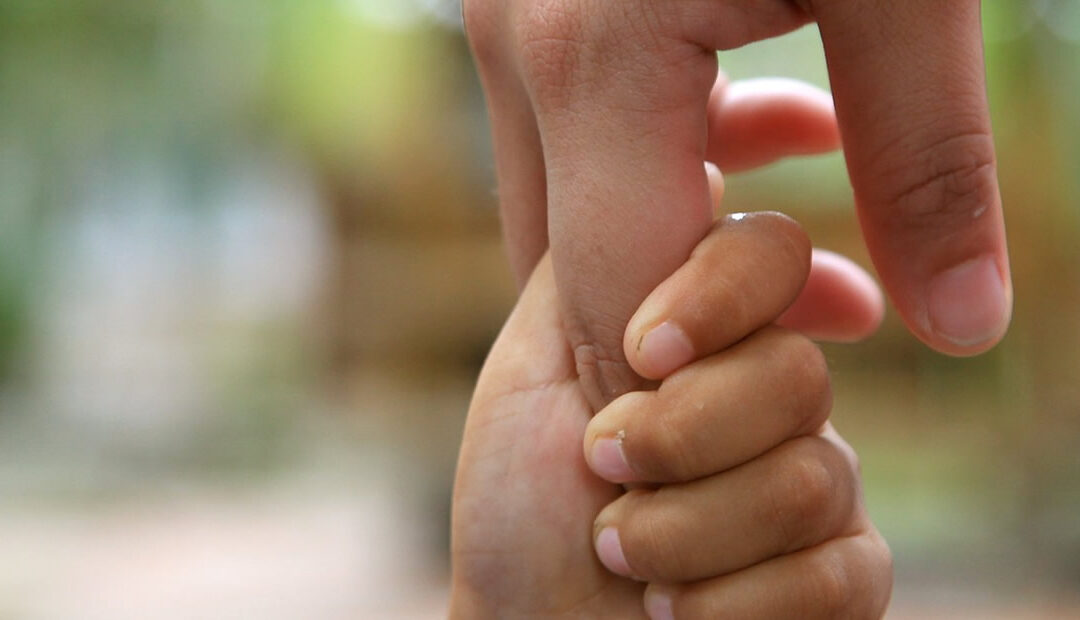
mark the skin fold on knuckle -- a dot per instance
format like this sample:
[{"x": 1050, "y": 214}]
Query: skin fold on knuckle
[
  {"x": 850, "y": 578},
  {"x": 596, "y": 48},
  {"x": 806, "y": 374},
  {"x": 810, "y": 497},
  {"x": 951, "y": 184}
]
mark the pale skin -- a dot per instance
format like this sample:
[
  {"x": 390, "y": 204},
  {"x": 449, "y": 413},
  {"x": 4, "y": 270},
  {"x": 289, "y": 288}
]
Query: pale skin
[
  {"x": 752, "y": 506},
  {"x": 602, "y": 112}
]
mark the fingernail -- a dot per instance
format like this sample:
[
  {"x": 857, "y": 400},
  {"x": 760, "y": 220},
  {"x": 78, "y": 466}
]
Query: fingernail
[
  {"x": 716, "y": 186},
  {"x": 609, "y": 550},
  {"x": 968, "y": 304},
  {"x": 609, "y": 461},
  {"x": 665, "y": 349},
  {"x": 658, "y": 604}
]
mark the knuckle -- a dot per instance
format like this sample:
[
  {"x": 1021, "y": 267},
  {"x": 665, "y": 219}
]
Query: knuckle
[
  {"x": 567, "y": 45},
  {"x": 811, "y": 371},
  {"x": 805, "y": 370},
  {"x": 811, "y": 490},
  {"x": 831, "y": 585},
  {"x": 807, "y": 500},
  {"x": 952, "y": 182},
  {"x": 651, "y": 543}
]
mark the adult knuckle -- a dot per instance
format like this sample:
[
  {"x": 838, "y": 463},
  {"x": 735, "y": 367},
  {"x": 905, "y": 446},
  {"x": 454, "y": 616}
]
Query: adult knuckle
[{"x": 951, "y": 182}]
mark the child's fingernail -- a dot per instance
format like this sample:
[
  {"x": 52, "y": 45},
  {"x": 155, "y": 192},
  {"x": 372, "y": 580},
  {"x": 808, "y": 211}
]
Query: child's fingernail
[
  {"x": 968, "y": 304},
  {"x": 658, "y": 604},
  {"x": 609, "y": 461},
  {"x": 609, "y": 550},
  {"x": 665, "y": 349}
]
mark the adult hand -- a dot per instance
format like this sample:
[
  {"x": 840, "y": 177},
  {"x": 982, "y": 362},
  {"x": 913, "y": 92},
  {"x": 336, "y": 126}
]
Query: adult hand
[
  {"x": 603, "y": 110},
  {"x": 767, "y": 522}
]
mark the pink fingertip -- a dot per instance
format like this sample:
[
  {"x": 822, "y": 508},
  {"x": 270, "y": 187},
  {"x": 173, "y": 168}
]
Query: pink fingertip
[{"x": 609, "y": 550}]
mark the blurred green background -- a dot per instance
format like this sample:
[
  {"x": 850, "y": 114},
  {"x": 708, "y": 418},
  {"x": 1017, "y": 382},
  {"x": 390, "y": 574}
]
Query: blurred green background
[{"x": 250, "y": 265}]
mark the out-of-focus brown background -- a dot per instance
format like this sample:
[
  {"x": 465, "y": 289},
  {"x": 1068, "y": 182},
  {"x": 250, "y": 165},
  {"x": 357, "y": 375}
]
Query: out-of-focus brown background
[{"x": 250, "y": 265}]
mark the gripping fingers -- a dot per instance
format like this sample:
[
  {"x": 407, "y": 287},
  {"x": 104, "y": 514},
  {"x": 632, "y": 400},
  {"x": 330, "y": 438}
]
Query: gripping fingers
[
  {"x": 714, "y": 414},
  {"x": 798, "y": 495},
  {"x": 847, "y": 577},
  {"x": 748, "y": 270}
]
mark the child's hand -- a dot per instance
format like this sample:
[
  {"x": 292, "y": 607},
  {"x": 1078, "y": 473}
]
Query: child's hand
[
  {"x": 525, "y": 500},
  {"x": 759, "y": 511}
]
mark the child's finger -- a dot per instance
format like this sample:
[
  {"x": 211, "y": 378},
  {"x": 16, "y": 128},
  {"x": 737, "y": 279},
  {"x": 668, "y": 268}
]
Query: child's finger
[
  {"x": 755, "y": 122},
  {"x": 844, "y": 578},
  {"x": 714, "y": 414},
  {"x": 741, "y": 277},
  {"x": 800, "y": 494}
]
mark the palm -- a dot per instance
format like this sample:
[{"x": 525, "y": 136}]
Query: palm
[{"x": 525, "y": 499}]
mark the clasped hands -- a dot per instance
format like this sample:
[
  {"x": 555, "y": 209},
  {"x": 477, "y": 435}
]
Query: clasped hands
[{"x": 745, "y": 502}]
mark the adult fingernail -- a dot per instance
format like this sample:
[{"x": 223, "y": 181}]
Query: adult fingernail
[
  {"x": 716, "y": 186},
  {"x": 968, "y": 304},
  {"x": 658, "y": 604},
  {"x": 609, "y": 461},
  {"x": 665, "y": 349},
  {"x": 609, "y": 550}
]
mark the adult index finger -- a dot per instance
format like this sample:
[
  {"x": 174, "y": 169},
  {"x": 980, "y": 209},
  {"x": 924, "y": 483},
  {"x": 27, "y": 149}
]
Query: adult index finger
[{"x": 909, "y": 83}]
